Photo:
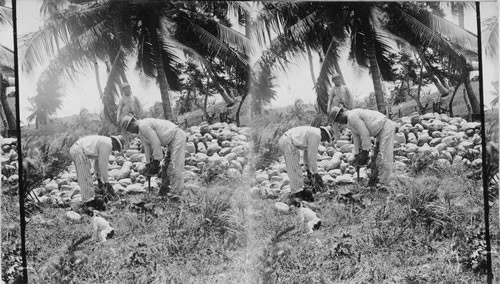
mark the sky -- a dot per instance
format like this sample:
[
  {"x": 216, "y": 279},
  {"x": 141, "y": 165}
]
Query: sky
[{"x": 294, "y": 84}]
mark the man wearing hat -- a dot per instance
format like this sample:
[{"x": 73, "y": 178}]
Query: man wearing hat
[
  {"x": 306, "y": 138},
  {"x": 97, "y": 148},
  {"x": 155, "y": 133},
  {"x": 339, "y": 94},
  {"x": 128, "y": 104},
  {"x": 364, "y": 124}
]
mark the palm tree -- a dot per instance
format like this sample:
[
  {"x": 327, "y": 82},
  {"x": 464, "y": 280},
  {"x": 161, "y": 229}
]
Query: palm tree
[
  {"x": 432, "y": 35},
  {"x": 47, "y": 100},
  {"x": 6, "y": 70},
  {"x": 149, "y": 30},
  {"x": 325, "y": 27},
  {"x": 329, "y": 25},
  {"x": 262, "y": 89}
]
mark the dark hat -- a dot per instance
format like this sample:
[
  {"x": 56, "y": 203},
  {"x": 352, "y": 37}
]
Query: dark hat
[
  {"x": 125, "y": 122},
  {"x": 334, "y": 113},
  {"x": 329, "y": 131},
  {"x": 120, "y": 140}
]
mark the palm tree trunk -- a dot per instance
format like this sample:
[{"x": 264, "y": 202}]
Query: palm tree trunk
[
  {"x": 98, "y": 81},
  {"x": 376, "y": 76},
  {"x": 228, "y": 99},
  {"x": 165, "y": 96},
  {"x": 311, "y": 67},
  {"x": 438, "y": 82},
  {"x": 474, "y": 103},
  {"x": 461, "y": 19},
  {"x": 11, "y": 119},
  {"x": 337, "y": 68},
  {"x": 238, "y": 123},
  {"x": 420, "y": 108},
  {"x": 450, "y": 105}
]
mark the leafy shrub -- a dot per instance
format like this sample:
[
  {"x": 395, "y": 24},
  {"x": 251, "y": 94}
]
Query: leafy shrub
[
  {"x": 214, "y": 172},
  {"x": 217, "y": 215},
  {"x": 64, "y": 267}
]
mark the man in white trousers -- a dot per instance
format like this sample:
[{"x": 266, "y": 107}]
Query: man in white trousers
[
  {"x": 364, "y": 124},
  {"x": 155, "y": 133},
  {"x": 306, "y": 138},
  {"x": 97, "y": 148}
]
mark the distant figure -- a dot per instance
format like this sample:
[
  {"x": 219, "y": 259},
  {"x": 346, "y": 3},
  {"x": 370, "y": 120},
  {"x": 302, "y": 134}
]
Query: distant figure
[
  {"x": 155, "y": 133},
  {"x": 364, "y": 124},
  {"x": 97, "y": 148},
  {"x": 129, "y": 104},
  {"x": 339, "y": 96},
  {"x": 306, "y": 138}
]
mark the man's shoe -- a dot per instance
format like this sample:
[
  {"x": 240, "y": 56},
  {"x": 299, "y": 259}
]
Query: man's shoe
[
  {"x": 304, "y": 194},
  {"x": 95, "y": 204}
]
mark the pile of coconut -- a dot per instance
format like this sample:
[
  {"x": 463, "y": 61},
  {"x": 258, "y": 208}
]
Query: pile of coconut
[
  {"x": 220, "y": 146},
  {"x": 9, "y": 162},
  {"x": 450, "y": 141}
]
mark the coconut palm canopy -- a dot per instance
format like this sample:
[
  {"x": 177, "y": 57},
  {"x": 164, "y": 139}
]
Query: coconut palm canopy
[
  {"x": 368, "y": 29},
  {"x": 6, "y": 54},
  {"x": 74, "y": 38},
  {"x": 5, "y": 14},
  {"x": 6, "y": 61}
]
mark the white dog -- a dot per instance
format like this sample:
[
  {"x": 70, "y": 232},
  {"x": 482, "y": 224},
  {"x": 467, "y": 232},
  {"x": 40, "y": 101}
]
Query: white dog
[
  {"x": 308, "y": 219},
  {"x": 101, "y": 228}
]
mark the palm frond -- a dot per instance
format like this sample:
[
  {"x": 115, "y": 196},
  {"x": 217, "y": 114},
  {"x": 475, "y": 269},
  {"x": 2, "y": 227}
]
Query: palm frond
[
  {"x": 170, "y": 60},
  {"x": 37, "y": 48},
  {"x": 6, "y": 57},
  {"x": 112, "y": 86},
  {"x": 418, "y": 34},
  {"x": 490, "y": 29},
  {"x": 263, "y": 28},
  {"x": 383, "y": 50},
  {"x": 327, "y": 68},
  {"x": 443, "y": 27},
  {"x": 6, "y": 15},
  {"x": 81, "y": 53},
  {"x": 216, "y": 46},
  {"x": 235, "y": 40}
]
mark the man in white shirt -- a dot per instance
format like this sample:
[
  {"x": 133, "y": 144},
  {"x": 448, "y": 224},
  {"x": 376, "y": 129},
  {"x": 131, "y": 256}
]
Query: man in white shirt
[
  {"x": 129, "y": 104},
  {"x": 364, "y": 124},
  {"x": 306, "y": 138},
  {"x": 97, "y": 148},
  {"x": 155, "y": 133}
]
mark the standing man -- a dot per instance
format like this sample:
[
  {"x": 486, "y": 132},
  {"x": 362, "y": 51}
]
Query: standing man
[
  {"x": 155, "y": 133},
  {"x": 364, "y": 124},
  {"x": 306, "y": 138},
  {"x": 129, "y": 104},
  {"x": 97, "y": 148},
  {"x": 339, "y": 95}
]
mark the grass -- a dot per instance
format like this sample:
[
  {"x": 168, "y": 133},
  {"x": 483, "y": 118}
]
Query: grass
[
  {"x": 421, "y": 231},
  {"x": 425, "y": 228},
  {"x": 11, "y": 242},
  {"x": 201, "y": 238}
]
